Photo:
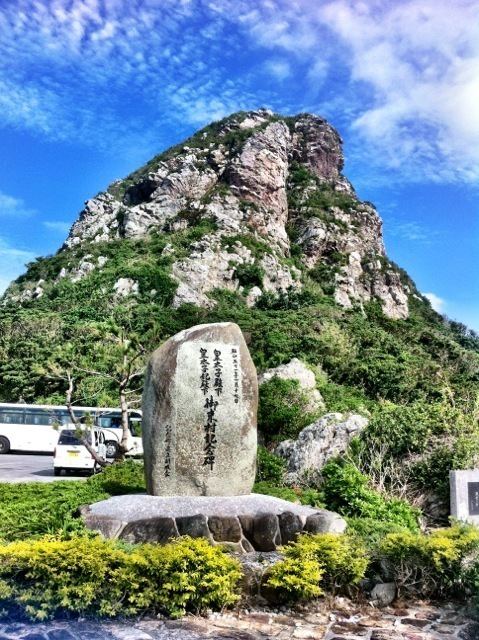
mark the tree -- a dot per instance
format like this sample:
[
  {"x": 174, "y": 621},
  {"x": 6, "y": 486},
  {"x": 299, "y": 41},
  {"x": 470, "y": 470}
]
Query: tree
[
  {"x": 123, "y": 367},
  {"x": 105, "y": 366}
]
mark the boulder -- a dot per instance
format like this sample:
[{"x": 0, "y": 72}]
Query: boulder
[
  {"x": 290, "y": 525},
  {"x": 318, "y": 442},
  {"x": 150, "y": 530},
  {"x": 325, "y": 522},
  {"x": 199, "y": 414},
  {"x": 295, "y": 369},
  {"x": 265, "y": 532},
  {"x": 125, "y": 287},
  {"x": 384, "y": 594}
]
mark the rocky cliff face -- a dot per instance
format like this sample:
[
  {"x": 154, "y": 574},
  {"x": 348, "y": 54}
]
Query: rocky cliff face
[{"x": 279, "y": 210}]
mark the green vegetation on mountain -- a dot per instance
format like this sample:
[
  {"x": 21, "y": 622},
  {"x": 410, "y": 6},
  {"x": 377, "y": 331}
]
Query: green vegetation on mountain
[{"x": 416, "y": 378}]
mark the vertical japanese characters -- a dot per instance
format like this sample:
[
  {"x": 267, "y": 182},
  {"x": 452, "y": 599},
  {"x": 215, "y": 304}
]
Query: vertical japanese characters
[
  {"x": 211, "y": 404},
  {"x": 234, "y": 355},
  {"x": 167, "y": 468},
  {"x": 218, "y": 372}
]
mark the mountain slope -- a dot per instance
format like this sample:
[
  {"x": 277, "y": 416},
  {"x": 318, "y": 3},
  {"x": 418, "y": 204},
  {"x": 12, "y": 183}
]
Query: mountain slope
[
  {"x": 251, "y": 220},
  {"x": 276, "y": 179}
]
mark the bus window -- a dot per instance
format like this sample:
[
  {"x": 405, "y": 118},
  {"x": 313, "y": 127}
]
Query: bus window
[
  {"x": 64, "y": 417},
  {"x": 38, "y": 417},
  {"x": 8, "y": 416},
  {"x": 109, "y": 422}
]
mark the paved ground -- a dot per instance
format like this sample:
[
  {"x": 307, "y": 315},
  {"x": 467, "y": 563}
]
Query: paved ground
[
  {"x": 30, "y": 468},
  {"x": 324, "y": 621}
]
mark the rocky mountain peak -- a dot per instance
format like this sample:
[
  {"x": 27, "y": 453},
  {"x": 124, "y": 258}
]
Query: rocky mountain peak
[{"x": 276, "y": 206}]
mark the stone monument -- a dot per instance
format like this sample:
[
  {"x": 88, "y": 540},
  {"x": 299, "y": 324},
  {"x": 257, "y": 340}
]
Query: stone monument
[
  {"x": 465, "y": 495},
  {"x": 199, "y": 414},
  {"x": 199, "y": 437}
]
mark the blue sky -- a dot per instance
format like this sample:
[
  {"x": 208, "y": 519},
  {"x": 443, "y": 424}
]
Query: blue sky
[{"x": 90, "y": 89}]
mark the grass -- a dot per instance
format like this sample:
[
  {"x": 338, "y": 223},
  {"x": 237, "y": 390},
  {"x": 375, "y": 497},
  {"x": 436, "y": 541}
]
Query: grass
[{"x": 33, "y": 510}]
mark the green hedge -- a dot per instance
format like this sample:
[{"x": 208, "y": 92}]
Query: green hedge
[
  {"x": 316, "y": 562},
  {"x": 442, "y": 563},
  {"x": 91, "y": 576}
]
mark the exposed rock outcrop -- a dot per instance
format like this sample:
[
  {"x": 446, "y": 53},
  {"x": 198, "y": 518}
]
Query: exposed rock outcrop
[
  {"x": 273, "y": 178},
  {"x": 210, "y": 267},
  {"x": 319, "y": 442}
]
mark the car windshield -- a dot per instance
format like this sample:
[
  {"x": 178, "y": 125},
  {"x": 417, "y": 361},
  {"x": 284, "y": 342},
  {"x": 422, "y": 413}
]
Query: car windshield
[{"x": 68, "y": 436}]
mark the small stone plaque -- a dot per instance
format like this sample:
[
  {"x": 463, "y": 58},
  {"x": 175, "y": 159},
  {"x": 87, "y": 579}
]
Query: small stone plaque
[
  {"x": 473, "y": 494},
  {"x": 465, "y": 495}
]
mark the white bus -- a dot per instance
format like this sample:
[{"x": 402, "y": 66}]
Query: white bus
[{"x": 33, "y": 427}]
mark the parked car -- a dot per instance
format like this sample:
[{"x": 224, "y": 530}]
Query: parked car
[{"x": 71, "y": 455}]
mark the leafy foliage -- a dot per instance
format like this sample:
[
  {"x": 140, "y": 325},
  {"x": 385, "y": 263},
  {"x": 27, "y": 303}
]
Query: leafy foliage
[
  {"x": 249, "y": 275},
  {"x": 313, "y": 561},
  {"x": 348, "y": 491},
  {"x": 283, "y": 409},
  {"x": 437, "y": 564},
  {"x": 270, "y": 467},
  {"x": 92, "y": 576}
]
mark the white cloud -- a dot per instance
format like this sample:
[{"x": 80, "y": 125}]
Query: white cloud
[
  {"x": 437, "y": 303},
  {"x": 57, "y": 225},
  {"x": 404, "y": 76},
  {"x": 317, "y": 72},
  {"x": 412, "y": 231},
  {"x": 14, "y": 207},
  {"x": 419, "y": 60},
  {"x": 279, "y": 69},
  {"x": 12, "y": 262}
]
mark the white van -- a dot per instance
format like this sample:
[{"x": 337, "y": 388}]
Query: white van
[{"x": 71, "y": 455}]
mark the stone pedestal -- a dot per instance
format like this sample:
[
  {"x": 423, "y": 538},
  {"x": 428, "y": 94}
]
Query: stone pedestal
[{"x": 244, "y": 523}]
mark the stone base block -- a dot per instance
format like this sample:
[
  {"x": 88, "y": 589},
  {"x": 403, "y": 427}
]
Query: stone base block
[{"x": 243, "y": 523}]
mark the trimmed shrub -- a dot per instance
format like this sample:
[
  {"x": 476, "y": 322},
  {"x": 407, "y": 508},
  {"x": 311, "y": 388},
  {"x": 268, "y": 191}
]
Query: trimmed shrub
[
  {"x": 440, "y": 563},
  {"x": 92, "y": 576},
  {"x": 120, "y": 478},
  {"x": 327, "y": 560},
  {"x": 31, "y": 510},
  {"x": 295, "y": 579}
]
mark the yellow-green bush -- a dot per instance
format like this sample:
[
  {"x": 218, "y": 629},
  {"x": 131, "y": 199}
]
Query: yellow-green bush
[
  {"x": 296, "y": 578},
  {"x": 328, "y": 560},
  {"x": 434, "y": 564},
  {"x": 93, "y": 576}
]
